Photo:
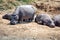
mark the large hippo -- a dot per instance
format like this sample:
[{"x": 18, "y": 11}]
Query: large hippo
[
  {"x": 56, "y": 20},
  {"x": 23, "y": 12},
  {"x": 44, "y": 19}
]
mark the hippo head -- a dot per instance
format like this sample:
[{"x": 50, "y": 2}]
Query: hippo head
[
  {"x": 51, "y": 23},
  {"x": 13, "y": 19},
  {"x": 6, "y": 16}
]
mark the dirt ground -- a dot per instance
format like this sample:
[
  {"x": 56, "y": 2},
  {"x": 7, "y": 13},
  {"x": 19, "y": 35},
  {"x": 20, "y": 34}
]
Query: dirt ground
[{"x": 27, "y": 31}]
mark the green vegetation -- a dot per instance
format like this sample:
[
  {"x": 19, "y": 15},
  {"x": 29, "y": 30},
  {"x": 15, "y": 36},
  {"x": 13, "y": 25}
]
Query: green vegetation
[
  {"x": 27, "y": 1},
  {"x": 9, "y": 4}
]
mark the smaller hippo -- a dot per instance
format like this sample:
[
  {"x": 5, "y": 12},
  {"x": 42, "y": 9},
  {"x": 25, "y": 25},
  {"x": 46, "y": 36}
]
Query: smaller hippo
[
  {"x": 44, "y": 19},
  {"x": 56, "y": 20}
]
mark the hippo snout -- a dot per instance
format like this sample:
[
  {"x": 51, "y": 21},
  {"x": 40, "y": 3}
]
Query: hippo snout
[
  {"x": 4, "y": 17},
  {"x": 52, "y": 25}
]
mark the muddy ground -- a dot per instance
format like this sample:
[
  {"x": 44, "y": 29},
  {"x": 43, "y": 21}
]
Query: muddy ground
[{"x": 27, "y": 31}]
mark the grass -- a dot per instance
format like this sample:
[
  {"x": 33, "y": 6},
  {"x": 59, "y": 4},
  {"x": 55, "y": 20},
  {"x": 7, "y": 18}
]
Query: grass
[{"x": 9, "y": 4}]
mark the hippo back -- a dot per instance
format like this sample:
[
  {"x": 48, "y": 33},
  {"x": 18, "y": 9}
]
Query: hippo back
[{"x": 27, "y": 11}]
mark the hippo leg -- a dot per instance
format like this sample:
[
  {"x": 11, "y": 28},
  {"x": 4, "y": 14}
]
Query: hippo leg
[
  {"x": 30, "y": 20},
  {"x": 20, "y": 21},
  {"x": 24, "y": 20},
  {"x": 27, "y": 20}
]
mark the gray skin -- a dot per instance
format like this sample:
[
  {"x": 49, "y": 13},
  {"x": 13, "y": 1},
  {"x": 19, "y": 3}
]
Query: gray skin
[
  {"x": 44, "y": 19},
  {"x": 56, "y": 20},
  {"x": 23, "y": 12}
]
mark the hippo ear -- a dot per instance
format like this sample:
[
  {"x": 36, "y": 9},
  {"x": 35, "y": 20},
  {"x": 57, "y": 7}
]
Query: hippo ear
[{"x": 6, "y": 16}]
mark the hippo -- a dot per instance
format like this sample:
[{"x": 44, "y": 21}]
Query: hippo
[
  {"x": 44, "y": 19},
  {"x": 23, "y": 12},
  {"x": 56, "y": 20}
]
